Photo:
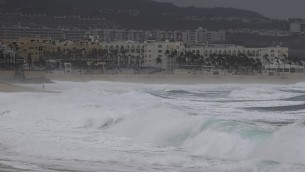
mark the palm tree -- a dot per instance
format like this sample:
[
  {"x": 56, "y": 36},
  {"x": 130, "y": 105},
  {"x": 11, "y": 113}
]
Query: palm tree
[
  {"x": 29, "y": 61},
  {"x": 284, "y": 61},
  {"x": 159, "y": 61},
  {"x": 181, "y": 60},
  {"x": 2, "y": 60},
  {"x": 266, "y": 59}
]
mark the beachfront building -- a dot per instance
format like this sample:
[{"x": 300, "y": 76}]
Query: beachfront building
[
  {"x": 9, "y": 58},
  {"x": 131, "y": 54},
  {"x": 123, "y": 53},
  {"x": 267, "y": 55},
  {"x": 30, "y": 49},
  {"x": 158, "y": 54}
]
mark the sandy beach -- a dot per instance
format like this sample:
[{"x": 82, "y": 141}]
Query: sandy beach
[
  {"x": 5, "y": 87},
  {"x": 181, "y": 79},
  {"x": 160, "y": 79}
]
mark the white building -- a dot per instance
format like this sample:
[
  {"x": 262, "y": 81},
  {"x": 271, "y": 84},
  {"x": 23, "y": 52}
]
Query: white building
[
  {"x": 201, "y": 35},
  {"x": 128, "y": 52},
  {"x": 156, "y": 54},
  {"x": 150, "y": 53},
  {"x": 8, "y": 55},
  {"x": 297, "y": 27},
  {"x": 266, "y": 54}
]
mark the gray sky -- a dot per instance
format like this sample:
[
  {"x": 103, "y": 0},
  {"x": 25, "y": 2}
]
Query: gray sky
[{"x": 270, "y": 8}]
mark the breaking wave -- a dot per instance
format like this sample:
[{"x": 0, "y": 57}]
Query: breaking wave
[{"x": 228, "y": 127}]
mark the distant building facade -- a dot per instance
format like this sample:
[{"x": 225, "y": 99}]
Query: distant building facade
[
  {"x": 8, "y": 57},
  {"x": 112, "y": 35},
  {"x": 297, "y": 25},
  {"x": 151, "y": 53},
  {"x": 201, "y": 35},
  {"x": 156, "y": 54},
  {"x": 265, "y": 54}
]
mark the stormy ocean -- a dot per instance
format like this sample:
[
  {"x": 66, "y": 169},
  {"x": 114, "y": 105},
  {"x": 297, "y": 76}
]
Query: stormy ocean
[{"x": 118, "y": 127}]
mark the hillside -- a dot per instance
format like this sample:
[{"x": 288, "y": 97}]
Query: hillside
[
  {"x": 132, "y": 14},
  {"x": 145, "y": 7}
]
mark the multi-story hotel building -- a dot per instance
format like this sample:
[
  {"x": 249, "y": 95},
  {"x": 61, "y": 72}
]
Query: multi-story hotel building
[
  {"x": 265, "y": 54},
  {"x": 157, "y": 54},
  {"x": 146, "y": 54}
]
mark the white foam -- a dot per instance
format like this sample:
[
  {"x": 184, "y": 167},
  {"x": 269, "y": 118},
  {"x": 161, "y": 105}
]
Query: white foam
[{"x": 124, "y": 123}]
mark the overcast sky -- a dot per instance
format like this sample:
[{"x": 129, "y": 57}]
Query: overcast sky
[{"x": 270, "y": 8}]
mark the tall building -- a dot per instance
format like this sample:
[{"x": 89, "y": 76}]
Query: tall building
[
  {"x": 151, "y": 53},
  {"x": 297, "y": 25},
  {"x": 201, "y": 35},
  {"x": 156, "y": 54},
  {"x": 265, "y": 54}
]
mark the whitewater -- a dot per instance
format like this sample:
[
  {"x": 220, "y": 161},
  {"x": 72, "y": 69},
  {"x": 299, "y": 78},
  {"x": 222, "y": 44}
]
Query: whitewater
[{"x": 114, "y": 126}]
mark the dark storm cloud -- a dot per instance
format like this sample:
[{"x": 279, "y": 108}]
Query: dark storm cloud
[{"x": 269, "y": 8}]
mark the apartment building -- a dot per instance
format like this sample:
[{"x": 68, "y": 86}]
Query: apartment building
[
  {"x": 297, "y": 27},
  {"x": 8, "y": 57},
  {"x": 18, "y": 32},
  {"x": 265, "y": 54},
  {"x": 110, "y": 35},
  {"x": 156, "y": 54},
  {"x": 32, "y": 48},
  {"x": 201, "y": 35},
  {"x": 150, "y": 53}
]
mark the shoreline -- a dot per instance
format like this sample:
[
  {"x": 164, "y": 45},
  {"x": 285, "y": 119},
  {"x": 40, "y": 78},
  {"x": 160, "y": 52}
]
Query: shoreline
[
  {"x": 157, "y": 79},
  {"x": 12, "y": 88},
  {"x": 180, "y": 79}
]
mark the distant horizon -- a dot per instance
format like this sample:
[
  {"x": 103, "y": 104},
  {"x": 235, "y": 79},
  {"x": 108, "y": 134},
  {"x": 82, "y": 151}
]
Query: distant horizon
[{"x": 281, "y": 9}]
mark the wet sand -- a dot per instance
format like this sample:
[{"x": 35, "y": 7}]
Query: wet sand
[
  {"x": 181, "y": 79},
  {"x": 5, "y": 87},
  {"x": 159, "y": 79}
]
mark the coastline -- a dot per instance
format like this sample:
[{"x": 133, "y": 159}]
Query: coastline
[
  {"x": 181, "y": 79},
  {"x": 11, "y": 88},
  {"x": 157, "y": 79}
]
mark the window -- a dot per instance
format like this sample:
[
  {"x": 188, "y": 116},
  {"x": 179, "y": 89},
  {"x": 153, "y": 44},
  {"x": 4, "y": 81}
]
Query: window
[
  {"x": 159, "y": 46},
  {"x": 160, "y": 51}
]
